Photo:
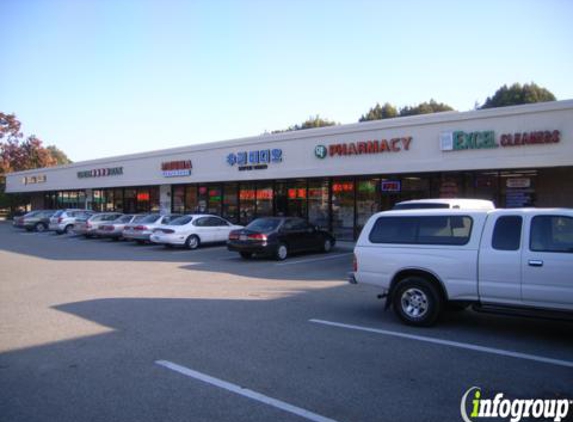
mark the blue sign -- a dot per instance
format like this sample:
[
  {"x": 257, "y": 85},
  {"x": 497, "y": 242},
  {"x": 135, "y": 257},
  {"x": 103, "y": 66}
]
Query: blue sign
[{"x": 258, "y": 158}]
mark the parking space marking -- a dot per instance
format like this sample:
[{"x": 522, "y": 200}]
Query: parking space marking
[
  {"x": 467, "y": 346},
  {"x": 244, "y": 392},
  {"x": 303, "y": 261}
]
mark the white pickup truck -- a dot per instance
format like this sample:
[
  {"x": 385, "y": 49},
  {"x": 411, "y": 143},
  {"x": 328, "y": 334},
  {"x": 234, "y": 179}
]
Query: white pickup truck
[{"x": 503, "y": 260}]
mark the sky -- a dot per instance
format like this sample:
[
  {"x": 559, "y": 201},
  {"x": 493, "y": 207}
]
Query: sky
[{"x": 100, "y": 78}]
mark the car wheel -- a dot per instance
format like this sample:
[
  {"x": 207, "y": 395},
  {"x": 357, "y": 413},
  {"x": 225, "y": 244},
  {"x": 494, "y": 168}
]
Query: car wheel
[
  {"x": 416, "y": 301},
  {"x": 40, "y": 227},
  {"x": 69, "y": 228},
  {"x": 281, "y": 252},
  {"x": 327, "y": 245},
  {"x": 246, "y": 255},
  {"x": 192, "y": 242}
]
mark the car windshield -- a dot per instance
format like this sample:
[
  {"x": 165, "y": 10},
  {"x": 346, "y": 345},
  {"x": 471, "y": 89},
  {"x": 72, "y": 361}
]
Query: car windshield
[
  {"x": 181, "y": 221},
  {"x": 32, "y": 213},
  {"x": 169, "y": 218},
  {"x": 139, "y": 218},
  {"x": 123, "y": 219},
  {"x": 58, "y": 213},
  {"x": 264, "y": 225},
  {"x": 106, "y": 217},
  {"x": 151, "y": 218}
]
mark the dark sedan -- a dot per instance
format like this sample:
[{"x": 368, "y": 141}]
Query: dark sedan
[{"x": 279, "y": 237}]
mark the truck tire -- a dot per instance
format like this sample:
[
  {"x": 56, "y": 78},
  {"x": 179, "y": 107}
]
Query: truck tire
[{"x": 417, "y": 301}]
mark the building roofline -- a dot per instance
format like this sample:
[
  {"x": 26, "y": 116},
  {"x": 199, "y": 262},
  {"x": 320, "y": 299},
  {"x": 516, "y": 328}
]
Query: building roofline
[{"x": 397, "y": 122}]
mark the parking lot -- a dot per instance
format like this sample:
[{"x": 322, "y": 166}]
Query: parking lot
[{"x": 96, "y": 330}]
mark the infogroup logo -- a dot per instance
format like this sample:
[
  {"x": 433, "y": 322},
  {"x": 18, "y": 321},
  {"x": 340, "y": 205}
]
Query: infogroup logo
[{"x": 514, "y": 410}]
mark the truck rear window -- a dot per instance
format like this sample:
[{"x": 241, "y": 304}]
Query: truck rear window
[{"x": 427, "y": 230}]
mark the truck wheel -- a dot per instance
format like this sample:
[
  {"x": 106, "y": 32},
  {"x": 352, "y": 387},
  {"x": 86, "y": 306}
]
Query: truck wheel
[{"x": 417, "y": 302}]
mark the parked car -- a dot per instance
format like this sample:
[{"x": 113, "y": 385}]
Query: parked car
[
  {"x": 454, "y": 203},
  {"x": 18, "y": 221},
  {"x": 142, "y": 231},
  {"x": 279, "y": 237},
  {"x": 35, "y": 220},
  {"x": 88, "y": 227},
  {"x": 63, "y": 220},
  {"x": 114, "y": 229},
  {"x": 193, "y": 230},
  {"x": 515, "y": 261}
]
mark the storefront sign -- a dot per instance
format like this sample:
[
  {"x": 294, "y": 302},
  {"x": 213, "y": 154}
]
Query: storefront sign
[
  {"x": 390, "y": 186},
  {"x": 460, "y": 140},
  {"x": 361, "y": 148},
  {"x": 530, "y": 138},
  {"x": 518, "y": 182},
  {"x": 32, "y": 180},
  {"x": 255, "y": 160},
  {"x": 176, "y": 168},
  {"x": 112, "y": 171}
]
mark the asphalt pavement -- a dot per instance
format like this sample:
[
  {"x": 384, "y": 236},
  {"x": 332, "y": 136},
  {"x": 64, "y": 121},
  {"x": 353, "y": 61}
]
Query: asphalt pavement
[{"x": 96, "y": 330}]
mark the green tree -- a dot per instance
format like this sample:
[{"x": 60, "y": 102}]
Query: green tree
[
  {"x": 310, "y": 123},
  {"x": 58, "y": 155},
  {"x": 425, "y": 108},
  {"x": 517, "y": 94},
  {"x": 387, "y": 111}
]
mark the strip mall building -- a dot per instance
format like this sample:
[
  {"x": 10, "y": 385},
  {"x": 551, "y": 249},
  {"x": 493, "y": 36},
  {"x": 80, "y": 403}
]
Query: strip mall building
[{"x": 336, "y": 176}]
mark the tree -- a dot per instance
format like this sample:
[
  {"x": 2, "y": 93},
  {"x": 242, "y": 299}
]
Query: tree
[
  {"x": 517, "y": 94},
  {"x": 387, "y": 111},
  {"x": 310, "y": 123},
  {"x": 425, "y": 108},
  {"x": 59, "y": 155},
  {"x": 17, "y": 155}
]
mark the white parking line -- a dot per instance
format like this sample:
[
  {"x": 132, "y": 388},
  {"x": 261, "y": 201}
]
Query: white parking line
[
  {"x": 468, "y": 346},
  {"x": 244, "y": 392},
  {"x": 302, "y": 261}
]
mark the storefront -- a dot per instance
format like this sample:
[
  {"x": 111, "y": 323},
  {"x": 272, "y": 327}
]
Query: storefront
[{"x": 338, "y": 176}]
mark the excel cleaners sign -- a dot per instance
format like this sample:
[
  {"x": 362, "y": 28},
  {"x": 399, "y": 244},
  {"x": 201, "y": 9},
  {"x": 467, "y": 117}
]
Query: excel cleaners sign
[
  {"x": 460, "y": 140},
  {"x": 370, "y": 147}
]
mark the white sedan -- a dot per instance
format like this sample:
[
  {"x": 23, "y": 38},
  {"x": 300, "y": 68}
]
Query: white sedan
[{"x": 193, "y": 230}]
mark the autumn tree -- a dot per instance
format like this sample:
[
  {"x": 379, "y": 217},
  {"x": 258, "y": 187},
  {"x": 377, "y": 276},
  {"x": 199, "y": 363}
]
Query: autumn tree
[
  {"x": 18, "y": 155},
  {"x": 518, "y": 94}
]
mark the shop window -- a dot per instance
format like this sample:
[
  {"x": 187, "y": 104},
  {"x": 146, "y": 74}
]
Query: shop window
[
  {"x": 231, "y": 202},
  {"x": 178, "y": 198},
  {"x": 247, "y": 204},
  {"x": 264, "y": 195},
  {"x": 214, "y": 199},
  {"x": 367, "y": 201},
  {"x": 318, "y": 209},
  {"x": 343, "y": 209},
  {"x": 191, "y": 200}
]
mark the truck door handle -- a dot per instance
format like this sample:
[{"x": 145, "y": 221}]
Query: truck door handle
[{"x": 535, "y": 263}]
